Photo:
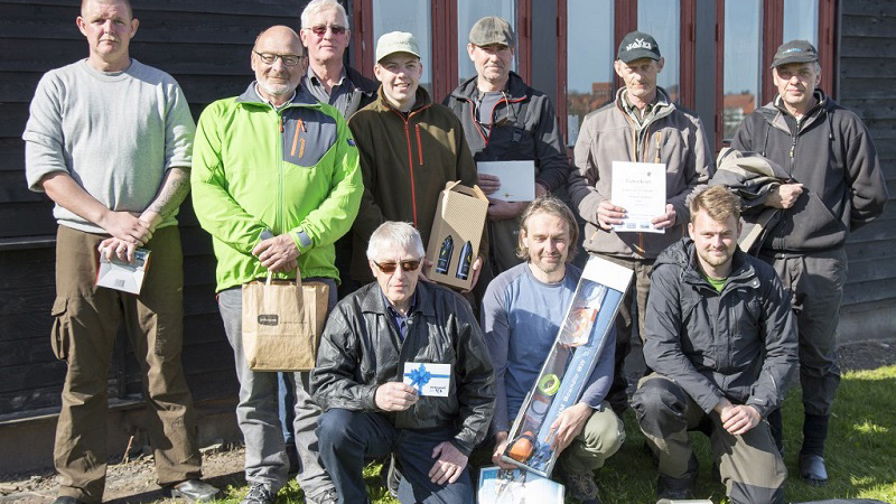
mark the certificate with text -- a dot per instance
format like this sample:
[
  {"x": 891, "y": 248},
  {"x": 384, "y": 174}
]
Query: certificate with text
[{"x": 639, "y": 188}]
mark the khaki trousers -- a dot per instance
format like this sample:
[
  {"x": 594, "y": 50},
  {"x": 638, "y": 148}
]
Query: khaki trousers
[{"x": 83, "y": 335}]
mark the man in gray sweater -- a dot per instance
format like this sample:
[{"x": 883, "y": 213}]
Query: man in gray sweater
[{"x": 109, "y": 140}]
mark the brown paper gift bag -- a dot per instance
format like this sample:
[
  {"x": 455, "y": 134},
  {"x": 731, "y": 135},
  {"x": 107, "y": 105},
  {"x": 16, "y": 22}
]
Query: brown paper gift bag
[{"x": 282, "y": 323}]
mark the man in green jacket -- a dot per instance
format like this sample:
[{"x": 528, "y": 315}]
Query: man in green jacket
[
  {"x": 275, "y": 182},
  {"x": 409, "y": 147}
]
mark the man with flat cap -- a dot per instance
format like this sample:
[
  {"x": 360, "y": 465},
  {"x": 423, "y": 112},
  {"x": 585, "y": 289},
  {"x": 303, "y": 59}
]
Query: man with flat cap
[
  {"x": 835, "y": 187},
  {"x": 504, "y": 119},
  {"x": 641, "y": 125}
]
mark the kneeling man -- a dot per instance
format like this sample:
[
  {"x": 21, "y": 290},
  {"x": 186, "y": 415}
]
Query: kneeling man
[
  {"x": 522, "y": 312},
  {"x": 369, "y": 410},
  {"x": 722, "y": 342}
]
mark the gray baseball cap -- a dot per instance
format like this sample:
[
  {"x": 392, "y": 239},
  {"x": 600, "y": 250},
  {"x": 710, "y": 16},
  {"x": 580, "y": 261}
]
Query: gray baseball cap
[
  {"x": 396, "y": 42},
  {"x": 795, "y": 51},
  {"x": 492, "y": 30}
]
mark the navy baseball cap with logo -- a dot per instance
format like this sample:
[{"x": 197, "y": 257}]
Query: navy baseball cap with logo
[
  {"x": 637, "y": 45},
  {"x": 795, "y": 51}
]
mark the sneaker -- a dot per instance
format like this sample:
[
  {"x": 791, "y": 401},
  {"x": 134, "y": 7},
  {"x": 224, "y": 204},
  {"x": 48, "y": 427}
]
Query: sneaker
[
  {"x": 393, "y": 478},
  {"x": 582, "y": 488},
  {"x": 325, "y": 497},
  {"x": 258, "y": 494}
]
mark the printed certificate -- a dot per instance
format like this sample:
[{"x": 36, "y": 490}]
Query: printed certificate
[{"x": 639, "y": 188}]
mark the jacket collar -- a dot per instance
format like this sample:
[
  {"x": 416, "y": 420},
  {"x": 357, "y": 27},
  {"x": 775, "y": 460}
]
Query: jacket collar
[
  {"x": 774, "y": 111},
  {"x": 300, "y": 99},
  {"x": 516, "y": 88},
  {"x": 373, "y": 300},
  {"x": 662, "y": 108},
  {"x": 684, "y": 255}
]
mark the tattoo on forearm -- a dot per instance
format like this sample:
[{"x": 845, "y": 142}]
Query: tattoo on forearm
[{"x": 174, "y": 190}]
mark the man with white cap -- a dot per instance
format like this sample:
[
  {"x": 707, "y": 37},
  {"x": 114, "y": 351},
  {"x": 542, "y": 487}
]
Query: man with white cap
[
  {"x": 409, "y": 146},
  {"x": 504, "y": 119}
]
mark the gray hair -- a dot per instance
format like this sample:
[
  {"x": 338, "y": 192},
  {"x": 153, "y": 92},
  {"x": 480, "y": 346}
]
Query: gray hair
[
  {"x": 315, "y": 7},
  {"x": 395, "y": 233}
]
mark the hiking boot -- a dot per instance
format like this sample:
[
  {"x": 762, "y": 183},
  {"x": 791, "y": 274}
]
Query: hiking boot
[
  {"x": 258, "y": 494},
  {"x": 582, "y": 488},
  {"x": 325, "y": 497}
]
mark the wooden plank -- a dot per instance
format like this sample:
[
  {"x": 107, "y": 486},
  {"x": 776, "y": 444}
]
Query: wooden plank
[
  {"x": 870, "y": 251},
  {"x": 36, "y": 267},
  {"x": 860, "y": 46},
  {"x": 872, "y": 67},
  {"x": 867, "y": 26},
  {"x": 278, "y": 8},
  {"x": 58, "y": 23},
  {"x": 14, "y": 188},
  {"x": 12, "y": 153},
  {"x": 28, "y": 376},
  {"x": 29, "y": 352},
  {"x": 35, "y": 398},
  {"x": 882, "y": 229},
  {"x": 871, "y": 291},
  {"x": 32, "y": 326},
  {"x": 869, "y": 8},
  {"x": 27, "y": 219},
  {"x": 875, "y": 269}
]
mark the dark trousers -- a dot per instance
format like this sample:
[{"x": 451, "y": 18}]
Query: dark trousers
[{"x": 346, "y": 438}]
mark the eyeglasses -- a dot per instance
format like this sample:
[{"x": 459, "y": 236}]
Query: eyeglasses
[
  {"x": 390, "y": 267},
  {"x": 289, "y": 60},
  {"x": 321, "y": 30}
]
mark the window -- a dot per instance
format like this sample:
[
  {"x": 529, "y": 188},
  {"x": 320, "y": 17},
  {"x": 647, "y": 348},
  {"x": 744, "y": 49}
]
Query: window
[
  {"x": 743, "y": 72},
  {"x": 662, "y": 19},
  {"x": 589, "y": 61},
  {"x": 409, "y": 16}
]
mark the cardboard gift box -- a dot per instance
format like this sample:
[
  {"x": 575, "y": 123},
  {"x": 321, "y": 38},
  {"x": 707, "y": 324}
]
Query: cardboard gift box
[
  {"x": 456, "y": 234},
  {"x": 564, "y": 375}
]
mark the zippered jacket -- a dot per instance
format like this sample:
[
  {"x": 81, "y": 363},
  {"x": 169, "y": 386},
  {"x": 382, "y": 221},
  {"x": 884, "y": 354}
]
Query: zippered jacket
[
  {"x": 739, "y": 343},
  {"x": 524, "y": 126},
  {"x": 831, "y": 153},
  {"x": 290, "y": 171},
  {"x": 406, "y": 160},
  {"x": 362, "y": 349},
  {"x": 673, "y": 135}
]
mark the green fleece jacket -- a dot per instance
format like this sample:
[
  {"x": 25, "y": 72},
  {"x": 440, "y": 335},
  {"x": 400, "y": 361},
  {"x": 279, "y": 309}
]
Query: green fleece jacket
[
  {"x": 406, "y": 160},
  {"x": 290, "y": 171}
]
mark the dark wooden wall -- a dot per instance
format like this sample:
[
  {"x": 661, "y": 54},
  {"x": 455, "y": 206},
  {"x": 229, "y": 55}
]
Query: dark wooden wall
[
  {"x": 205, "y": 45},
  {"x": 867, "y": 85}
]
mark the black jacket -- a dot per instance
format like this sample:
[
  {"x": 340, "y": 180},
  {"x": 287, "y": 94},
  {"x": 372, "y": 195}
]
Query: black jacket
[
  {"x": 740, "y": 343},
  {"x": 831, "y": 153},
  {"x": 361, "y": 349},
  {"x": 524, "y": 127}
]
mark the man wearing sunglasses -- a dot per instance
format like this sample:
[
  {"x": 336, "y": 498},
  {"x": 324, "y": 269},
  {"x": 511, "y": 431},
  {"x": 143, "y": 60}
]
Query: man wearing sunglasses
[
  {"x": 359, "y": 378},
  {"x": 275, "y": 182}
]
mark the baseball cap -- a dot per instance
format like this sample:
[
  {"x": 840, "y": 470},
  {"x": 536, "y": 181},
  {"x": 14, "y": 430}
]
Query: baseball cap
[
  {"x": 637, "y": 45},
  {"x": 492, "y": 30},
  {"x": 795, "y": 51},
  {"x": 396, "y": 42}
]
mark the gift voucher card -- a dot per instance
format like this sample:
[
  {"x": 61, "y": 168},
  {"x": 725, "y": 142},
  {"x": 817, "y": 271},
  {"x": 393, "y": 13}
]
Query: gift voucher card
[{"x": 428, "y": 379}]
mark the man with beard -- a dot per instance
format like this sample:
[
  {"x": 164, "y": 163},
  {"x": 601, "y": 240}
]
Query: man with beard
[
  {"x": 522, "y": 312},
  {"x": 275, "y": 182},
  {"x": 722, "y": 341}
]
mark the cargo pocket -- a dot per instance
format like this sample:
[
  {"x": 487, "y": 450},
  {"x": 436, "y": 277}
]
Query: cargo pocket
[{"x": 59, "y": 335}]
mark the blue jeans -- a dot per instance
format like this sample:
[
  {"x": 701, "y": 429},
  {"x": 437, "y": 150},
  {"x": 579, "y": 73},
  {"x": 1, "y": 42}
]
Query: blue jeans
[
  {"x": 346, "y": 438},
  {"x": 257, "y": 415}
]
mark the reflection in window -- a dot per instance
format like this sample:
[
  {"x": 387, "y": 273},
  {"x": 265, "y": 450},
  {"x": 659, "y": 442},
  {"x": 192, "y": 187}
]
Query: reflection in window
[
  {"x": 743, "y": 65},
  {"x": 801, "y": 20},
  {"x": 409, "y": 16},
  {"x": 590, "y": 54},
  {"x": 662, "y": 19},
  {"x": 470, "y": 11}
]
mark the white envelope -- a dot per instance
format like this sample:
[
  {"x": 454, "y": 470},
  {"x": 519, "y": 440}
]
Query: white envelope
[
  {"x": 517, "y": 179},
  {"x": 428, "y": 379},
  {"x": 124, "y": 276}
]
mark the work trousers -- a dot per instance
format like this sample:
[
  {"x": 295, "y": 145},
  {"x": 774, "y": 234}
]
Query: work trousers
[
  {"x": 750, "y": 465},
  {"x": 347, "y": 438},
  {"x": 257, "y": 412},
  {"x": 601, "y": 438},
  {"x": 815, "y": 282},
  {"x": 86, "y": 322},
  {"x": 637, "y": 291}
]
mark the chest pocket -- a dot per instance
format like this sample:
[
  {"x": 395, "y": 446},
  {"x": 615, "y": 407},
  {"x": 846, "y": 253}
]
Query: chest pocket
[{"x": 308, "y": 135}]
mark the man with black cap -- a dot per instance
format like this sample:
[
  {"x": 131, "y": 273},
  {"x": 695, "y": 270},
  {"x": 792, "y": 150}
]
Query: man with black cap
[
  {"x": 505, "y": 119},
  {"x": 641, "y": 125},
  {"x": 835, "y": 187}
]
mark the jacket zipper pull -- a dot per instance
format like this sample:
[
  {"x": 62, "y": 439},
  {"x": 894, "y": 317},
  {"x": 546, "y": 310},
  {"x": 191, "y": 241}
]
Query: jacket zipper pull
[{"x": 281, "y": 124}]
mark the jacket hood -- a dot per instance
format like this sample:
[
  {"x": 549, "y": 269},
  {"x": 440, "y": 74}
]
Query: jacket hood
[{"x": 682, "y": 255}]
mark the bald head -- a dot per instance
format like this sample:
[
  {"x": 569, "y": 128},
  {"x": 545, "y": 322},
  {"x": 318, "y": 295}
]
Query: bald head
[
  {"x": 278, "y": 60},
  {"x": 279, "y": 35}
]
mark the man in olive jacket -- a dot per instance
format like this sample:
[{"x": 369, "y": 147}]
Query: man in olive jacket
[{"x": 361, "y": 366}]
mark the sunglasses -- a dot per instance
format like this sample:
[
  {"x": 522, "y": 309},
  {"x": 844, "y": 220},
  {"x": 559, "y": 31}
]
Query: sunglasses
[
  {"x": 390, "y": 267},
  {"x": 321, "y": 30}
]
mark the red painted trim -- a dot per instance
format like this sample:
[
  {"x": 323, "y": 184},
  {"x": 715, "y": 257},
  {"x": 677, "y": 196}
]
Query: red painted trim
[
  {"x": 827, "y": 40},
  {"x": 625, "y": 13},
  {"x": 444, "y": 37},
  {"x": 362, "y": 36},
  {"x": 524, "y": 38},
  {"x": 772, "y": 35},
  {"x": 562, "y": 83},
  {"x": 688, "y": 50}
]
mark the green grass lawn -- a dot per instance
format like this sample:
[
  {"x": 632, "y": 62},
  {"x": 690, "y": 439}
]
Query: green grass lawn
[{"x": 860, "y": 453}]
